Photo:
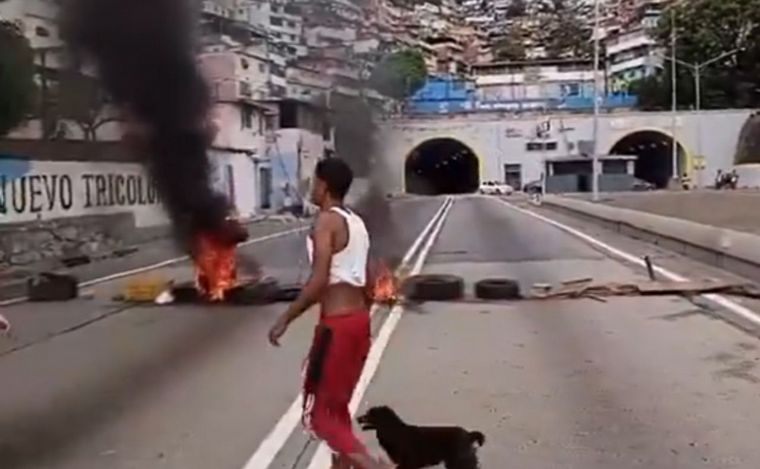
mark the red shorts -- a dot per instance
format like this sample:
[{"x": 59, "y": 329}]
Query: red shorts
[{"x": 335, "y": 363}]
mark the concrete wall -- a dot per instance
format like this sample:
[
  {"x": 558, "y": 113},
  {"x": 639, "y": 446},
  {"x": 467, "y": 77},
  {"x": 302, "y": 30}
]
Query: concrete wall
[
  {"x": 292, "y": 145},
  {"x": 44, "y": 190},
  {"x": 236, "y": 176},
  {"x": 499, "y": 139}
]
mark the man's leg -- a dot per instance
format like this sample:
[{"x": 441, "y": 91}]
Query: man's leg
[{"x": 343, "y": 364}]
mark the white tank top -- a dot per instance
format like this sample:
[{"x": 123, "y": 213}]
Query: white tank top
[{"x": 349, "y": 265}]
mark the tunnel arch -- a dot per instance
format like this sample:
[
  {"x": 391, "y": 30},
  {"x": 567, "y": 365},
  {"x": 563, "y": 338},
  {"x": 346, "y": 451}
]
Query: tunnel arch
[
  {"x": 441, "y": 166},
  {"x": 748, "y": 146},
  {"x": 654, "y": 149}
]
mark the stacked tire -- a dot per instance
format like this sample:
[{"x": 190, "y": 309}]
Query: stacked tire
[
  {"x": 497, "y": 289},
  {"x": 434, "y": 287}
]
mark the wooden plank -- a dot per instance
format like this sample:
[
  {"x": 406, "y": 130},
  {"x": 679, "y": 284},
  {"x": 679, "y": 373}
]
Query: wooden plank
[{"x": 690, "y": 287}]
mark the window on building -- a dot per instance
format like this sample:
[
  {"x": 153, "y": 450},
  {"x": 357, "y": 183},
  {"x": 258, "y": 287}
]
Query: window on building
[
  {"x": 262, "y": 68},
  {"x": 326, "y": 130},
  {"x": 541, "y": 146},
  {"x": 42, "y": 32},
  {"x": 275, "y": 21},
  {"x": 246, "y": 117},
  {"x": 615, "y": 167},
  {"x": 288, "y": 115},
  {"x": 245, "y": 89}
]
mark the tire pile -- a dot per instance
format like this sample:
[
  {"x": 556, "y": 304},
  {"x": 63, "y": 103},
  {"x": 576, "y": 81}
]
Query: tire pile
[{"x": 441, "y": 287}]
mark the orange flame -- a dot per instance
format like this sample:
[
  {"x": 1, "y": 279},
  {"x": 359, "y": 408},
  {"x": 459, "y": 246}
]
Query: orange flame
[
  {"x": 216, "y": 267},
  {"x": 385, "y": 289}
]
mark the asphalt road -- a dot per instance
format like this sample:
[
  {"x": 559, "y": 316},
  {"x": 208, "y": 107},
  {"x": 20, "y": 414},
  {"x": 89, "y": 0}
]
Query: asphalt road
[{"x": 564, "y": 384}]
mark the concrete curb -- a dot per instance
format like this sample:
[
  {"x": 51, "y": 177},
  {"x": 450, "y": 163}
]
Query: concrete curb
[{"x": 736, "y": 251}]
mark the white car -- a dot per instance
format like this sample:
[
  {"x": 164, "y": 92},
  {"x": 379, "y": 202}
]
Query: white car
[{"x": 496, "y": 188}]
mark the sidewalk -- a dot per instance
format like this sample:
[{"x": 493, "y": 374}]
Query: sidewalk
[
  {"x": 718, "y": 228},
  {"x": 736, "y": 210},
  {"x": 147, "y": 254}
]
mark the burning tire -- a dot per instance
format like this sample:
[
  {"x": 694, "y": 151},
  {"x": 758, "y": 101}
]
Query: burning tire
[
  {"x": 262, "y": 292},
  {"x": 497, "y": 289},
  {"x": 434, "y": 288}
]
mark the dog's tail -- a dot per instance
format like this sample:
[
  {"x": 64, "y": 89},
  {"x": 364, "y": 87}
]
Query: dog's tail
[{"x": 477, "y": 437}]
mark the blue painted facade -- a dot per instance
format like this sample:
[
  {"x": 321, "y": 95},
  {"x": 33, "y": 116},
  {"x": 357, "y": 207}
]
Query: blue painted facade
[
  {"x": 14, "y": 167},
  {"x": 447, "y": 95}
]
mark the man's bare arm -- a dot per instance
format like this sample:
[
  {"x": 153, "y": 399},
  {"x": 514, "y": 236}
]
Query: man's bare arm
[{"x": 320, "y": 274}]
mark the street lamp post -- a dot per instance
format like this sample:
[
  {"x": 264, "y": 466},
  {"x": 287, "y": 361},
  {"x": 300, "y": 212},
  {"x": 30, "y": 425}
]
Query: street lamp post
[
  {"x": 696, "y": 69},
  {"x": 595, "y": 137}
]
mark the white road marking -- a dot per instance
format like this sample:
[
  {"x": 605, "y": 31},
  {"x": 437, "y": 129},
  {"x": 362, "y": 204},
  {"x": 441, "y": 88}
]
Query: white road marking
[
  {"x": 322, "y": 457},
  {"x": 720, "y": 300},
  {"x": 276, "y": 439},
  {"x": 159, "y": 265}
]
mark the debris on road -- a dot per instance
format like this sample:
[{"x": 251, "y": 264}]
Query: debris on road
[
  {"x": 49, "y": 286},
  {"x": 586, "y": 288},
  {"x": 144, "y": 288},
  {"x": 5, "y": 325},
  {"x": 650, "y": 268}
]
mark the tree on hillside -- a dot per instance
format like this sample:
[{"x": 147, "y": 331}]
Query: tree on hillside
[
  {"x": 512, "y": 46},
  {"x": 565, "y": 29},
  {"x": 82, "y": 100},
  {"x": 704, "y": 30},
  {"x": 517, "y": 8},
  {"x": 16, "y": 77},
  {"x": 399, "y": 74}
]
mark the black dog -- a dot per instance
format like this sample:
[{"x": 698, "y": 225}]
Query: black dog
[{"x": 413, "y": 447}]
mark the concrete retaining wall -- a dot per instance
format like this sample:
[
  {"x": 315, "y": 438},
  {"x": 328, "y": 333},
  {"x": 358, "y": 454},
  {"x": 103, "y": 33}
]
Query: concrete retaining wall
[
  {"x": 34, "y": 190},
  {"x": 732, "y": 250}
]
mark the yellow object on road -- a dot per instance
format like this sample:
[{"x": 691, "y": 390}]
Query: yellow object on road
[{"x": 145, "y": 288}]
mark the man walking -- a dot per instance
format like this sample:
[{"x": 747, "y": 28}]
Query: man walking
[{"x": 338, "y": 248}]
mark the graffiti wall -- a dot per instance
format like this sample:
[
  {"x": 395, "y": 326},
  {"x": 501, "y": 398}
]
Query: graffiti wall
[{"x": 43, "y": 190}]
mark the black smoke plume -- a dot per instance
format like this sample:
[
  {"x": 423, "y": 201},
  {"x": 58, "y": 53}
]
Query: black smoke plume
[
  {"x": 356, "y": 133},
  {"x": 145, "y": 56}
]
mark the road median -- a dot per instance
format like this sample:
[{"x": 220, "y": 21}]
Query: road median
[{"x": 729, "y": 249}]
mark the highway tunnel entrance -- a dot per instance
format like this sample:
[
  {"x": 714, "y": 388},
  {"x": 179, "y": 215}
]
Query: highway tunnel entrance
[
  {"x": 442, "y": 166},
  {"x": 654, "y": 150}
]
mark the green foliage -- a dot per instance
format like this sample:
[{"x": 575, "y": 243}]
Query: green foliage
[
  {"x": 705, "y": 29},
  {"x": 511, "y": 47},
  {"x": 16, "y": 77},
  {"x": 82, "y": 99},
  {"x": 564, "y": 29},
  {"x": 399, "y": 74}
]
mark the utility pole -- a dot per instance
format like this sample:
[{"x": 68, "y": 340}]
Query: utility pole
[
  {"x": 674, "y": 94},
  {"x": 595, "y": 138}
]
